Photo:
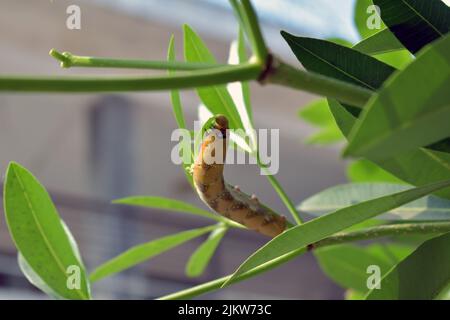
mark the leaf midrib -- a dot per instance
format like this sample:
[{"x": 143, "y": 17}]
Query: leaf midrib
[
  {"x": 42, "y": 233},
  {"x": 333, "y": 66},
  {"x": 422, "y": 17}
]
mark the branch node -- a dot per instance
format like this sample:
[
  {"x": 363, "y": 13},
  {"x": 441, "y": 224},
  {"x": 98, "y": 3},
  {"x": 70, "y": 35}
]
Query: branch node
[{"x": 270, "y": 67}]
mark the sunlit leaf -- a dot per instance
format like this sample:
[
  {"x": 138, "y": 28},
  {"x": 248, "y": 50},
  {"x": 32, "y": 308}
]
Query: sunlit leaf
[
  {"x": 300, "y": 236},
  {"x": 429, "y": 208},
  {"x": 366, "y": 171},
  {"x": 423, "y": 275},
  {"x": 166, "y": 204},
  {"x": 412, "y": 110},
  {"x": 143, "y": 252},
  {"x": 199, "y": 260},
  {"x": 41, "y": 237},
  {"x": 215, "y": 98}
]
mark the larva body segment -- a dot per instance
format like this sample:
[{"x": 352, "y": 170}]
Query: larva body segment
[{"x": 223, "y": 198}]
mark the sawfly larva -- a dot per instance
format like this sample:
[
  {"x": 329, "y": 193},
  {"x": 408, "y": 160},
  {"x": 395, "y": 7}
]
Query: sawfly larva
[{"x": 223, "y": 198}]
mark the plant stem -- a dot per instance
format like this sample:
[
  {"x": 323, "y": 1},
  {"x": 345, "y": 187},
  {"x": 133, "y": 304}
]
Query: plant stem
[
  {"x": 364, "y": 234},
  {"x": 283, "y": 74},
  {"x": 191, "y": 79},
  {"x": 279, "y": 189},
  {"x": 69, "y": 60},
  {"x": 254, "y": 31},
  {"x": 286, "y": 75},
  {"x": 385, "y": 231}
]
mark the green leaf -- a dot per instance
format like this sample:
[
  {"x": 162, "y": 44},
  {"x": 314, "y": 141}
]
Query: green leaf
[
  {"x": 39, "y": 235},
  {"x": 417, "y": 167},
  {"x": 366, "y": 171},
  {"x": 398, "y": 59},
  {"x": 412, "y": 110},
  {"x": 347, "y": 264},
  {"x": 362, "y": 14},
  {"x": 166, "y": 204},
  {"x": 175, "y": 94},
  {"x": 422, "y": 275},
  {"x": 325, "y": 137},
  {"x": 381, "y": 42},
  {"x": 300, "y": 236},
  {"x": 199, "y": 260},
  {"x": 240, "y": 93},
  {"x": 339, "y": 62},
  {"x": 143, "y": 252},
  {"x": 353, "y": 295},
  {"x": 415, "y": 22},
  {"x": 216, "y": 98},
  {"x": 178, "y": 110},
  {"x": 429, "y": 208},
  {"x": 243, "y": 57},
  {"x": 318, "y": 114}
]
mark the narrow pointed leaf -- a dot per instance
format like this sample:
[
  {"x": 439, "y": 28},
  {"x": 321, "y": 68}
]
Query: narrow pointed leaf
[
  {"x": 318, "y": 114},
  {"x": 429, "y": 208},
  {"x": 300, "y": 236},
  {"x": 40, "y": 236},
  {"x": 412, "y": 110},
  {"x": 381, "y": 42},
  {"x": 339, "y": 62},
  {"x": 423, "y": 275},
  {"x": 199, "y": 260},
  {"x": 166, "y": 204},
  {"x": 366, "y": 171},
  {"x": 415, "y": 23},
  {"x": 143, "y": 252},
  {"x": 417, "y": 167},
  {"x": 216, "y": 98}
]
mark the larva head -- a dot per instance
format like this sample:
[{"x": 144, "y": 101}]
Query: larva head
[{"x": 221, "y": 123}]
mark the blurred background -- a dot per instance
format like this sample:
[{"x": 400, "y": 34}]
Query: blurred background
[{"x": 90, "y": 149}]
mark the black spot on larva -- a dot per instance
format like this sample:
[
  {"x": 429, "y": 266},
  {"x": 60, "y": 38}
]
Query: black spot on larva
[
  {"x": 202, "y": 187},
  {"x": 238, "y": 206},
  {"x": 251, "y": 214},
  {"x": 226, "y": 195}
]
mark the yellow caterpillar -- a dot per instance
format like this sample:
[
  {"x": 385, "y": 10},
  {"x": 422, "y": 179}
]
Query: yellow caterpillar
[{"x": 223, "y": 198}]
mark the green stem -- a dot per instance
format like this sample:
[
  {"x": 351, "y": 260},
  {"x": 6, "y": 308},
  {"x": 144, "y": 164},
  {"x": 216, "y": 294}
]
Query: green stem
[
  {"x": 69, "y": 60},
  {"x": 255, "y": 35},
  {"x": 282, "y": 194},
  {"x": 283, "y": 74},
  {"x": 191, "y": 79},
  {"x": 286, "y": 75},
  {"x": 364, "y": 234}
]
